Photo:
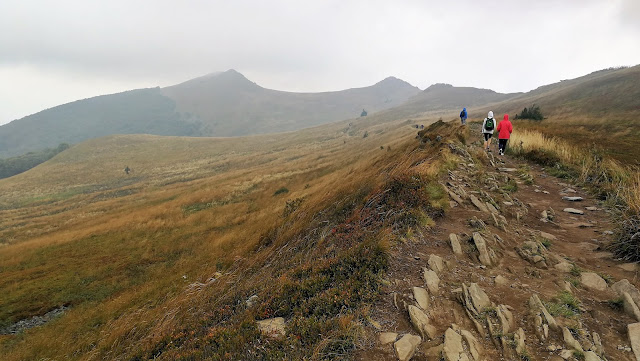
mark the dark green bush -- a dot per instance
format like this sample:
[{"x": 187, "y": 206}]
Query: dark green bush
[
  {"x": 281, "y": 190},
  {"x": 533, "y": 113}
]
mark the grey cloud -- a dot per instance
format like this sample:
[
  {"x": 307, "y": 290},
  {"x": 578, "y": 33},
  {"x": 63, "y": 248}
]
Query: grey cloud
[
  {"x": 321, "y": 45},
  {"x": 630, "y": 13}
]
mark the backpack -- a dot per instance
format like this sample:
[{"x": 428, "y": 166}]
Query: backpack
[
  {"x": 463, "y": 114},
  {"x": 488, "y": 125}
]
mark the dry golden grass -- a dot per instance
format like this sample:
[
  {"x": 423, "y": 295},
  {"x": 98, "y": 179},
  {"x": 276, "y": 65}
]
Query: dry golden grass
[
  {"x": 531, "y": 140},
  {"x": 611, "y": 179},
  {"x": 122, "y": 251},
  {"x": 617, "y": 135},
  {"x": 632, "y": 193}
]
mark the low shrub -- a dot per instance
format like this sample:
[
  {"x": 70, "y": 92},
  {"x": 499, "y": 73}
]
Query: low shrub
[
  {"x": 533, "y": 113},
  {"x": 281, "y": 191}
]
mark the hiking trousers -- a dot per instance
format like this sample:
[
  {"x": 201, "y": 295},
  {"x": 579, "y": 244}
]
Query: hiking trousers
[{"x": 502, "y": 145}]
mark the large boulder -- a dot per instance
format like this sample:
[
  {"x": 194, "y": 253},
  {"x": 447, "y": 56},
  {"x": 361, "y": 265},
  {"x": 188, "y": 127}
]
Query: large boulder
[
  {"x": 634, "y": 338},
  {"x": 473, "y": 298},
  {"x": 476, "y": 202},
  {"x": 570, "y": 341},
  {"x": 593, "y": 281},
  {"x": 483, "y": 250},
  {"x": 460, "y": 345},
  {"x": 538, "y": 309},
  {"x": 564, "y": 266},
  {"x": 625, "y": 286},
  {"x": 432, "y": 280},
  {"x": 591, "y": 356},
  {"x": 387, "y": 337},
  {"x": 406, "y": 346},
  {"x": 422, "y": 297},
  {"x": 421, "y": 322},
  {"x": 436, "y": 263},
  {"x": 630, "y": 306},
  {"x": 455, "y": 244},
  {"x": 453, "y": 347}
]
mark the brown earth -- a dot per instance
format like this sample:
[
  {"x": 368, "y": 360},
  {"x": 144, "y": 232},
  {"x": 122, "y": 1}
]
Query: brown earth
[{"x": 581, "y": 240}]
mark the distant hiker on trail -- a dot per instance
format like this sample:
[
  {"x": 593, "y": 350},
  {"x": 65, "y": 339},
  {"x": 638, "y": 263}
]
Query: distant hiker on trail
[
  {"x": 505, "y": 128},
  {"x": 463, "y": 116},
  {"x": 488, "y": 125},
  {"x": 127, "y": 169}
]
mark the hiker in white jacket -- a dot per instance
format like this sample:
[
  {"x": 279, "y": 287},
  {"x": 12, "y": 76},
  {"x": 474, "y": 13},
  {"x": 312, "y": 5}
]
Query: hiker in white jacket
[{"x": 488, "y": 126}]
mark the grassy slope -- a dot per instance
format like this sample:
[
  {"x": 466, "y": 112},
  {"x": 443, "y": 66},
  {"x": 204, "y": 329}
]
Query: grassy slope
[
  {"x": 77, "y": 231},
  {"x": 599, "y": 110}
]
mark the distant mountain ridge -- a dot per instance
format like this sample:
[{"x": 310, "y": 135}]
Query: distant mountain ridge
[
  {"x": 218, "y": 104},
  {"x": 609, "y": 93},
  {"x": 446, "y": 96},
  {"x": 228, "y": 104},
  {"x": 213, "y": 100}
]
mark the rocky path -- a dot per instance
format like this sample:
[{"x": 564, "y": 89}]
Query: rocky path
[{"x": 508, "y": 275}]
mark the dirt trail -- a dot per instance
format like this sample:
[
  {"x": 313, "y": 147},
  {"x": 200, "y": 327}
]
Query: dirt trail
[{"x": 524, "y": 253}]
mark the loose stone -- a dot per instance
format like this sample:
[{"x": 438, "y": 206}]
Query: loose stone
[
  {"x": 593, "y": 281},
  {"x": 572, "y": 199},
  {"x": 387, "y": 337},
  {"x": 573, "y": 211},
  {"x": 406, "y": 346}
]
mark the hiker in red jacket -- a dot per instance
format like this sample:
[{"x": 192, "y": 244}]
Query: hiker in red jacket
[{"x": 505, "y": 128}]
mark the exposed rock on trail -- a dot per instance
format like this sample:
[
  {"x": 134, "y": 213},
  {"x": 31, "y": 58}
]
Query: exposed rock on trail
[
  {"x": 505, "y": 277},
  {"x": 455, "y": 244},
  {"x": 406, "y": 346},
  {"x": 591, "y": 280}
]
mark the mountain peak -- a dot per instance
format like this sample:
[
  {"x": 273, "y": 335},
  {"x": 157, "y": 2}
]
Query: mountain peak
[
  {"x": 230, "y": 72},
  {"x": 229, "y": 79},
  {"x": 393, "y": 82},
  {"x": 390, "y": 79},
  {"x": 439, "y": 86}
]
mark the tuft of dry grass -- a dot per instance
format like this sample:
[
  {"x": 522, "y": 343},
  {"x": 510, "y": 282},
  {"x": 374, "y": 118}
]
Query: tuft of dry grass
[
  {"x": 523, "y": 142},
  {"x": 616, "y": 184}
]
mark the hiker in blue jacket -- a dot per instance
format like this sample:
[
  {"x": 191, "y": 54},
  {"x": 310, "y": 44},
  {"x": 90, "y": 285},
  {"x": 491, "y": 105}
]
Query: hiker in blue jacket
[{"x": 463, "y": 116}]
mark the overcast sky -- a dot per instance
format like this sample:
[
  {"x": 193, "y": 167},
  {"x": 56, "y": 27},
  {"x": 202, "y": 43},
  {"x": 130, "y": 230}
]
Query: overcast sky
[{"x": 53, "y": 52}]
